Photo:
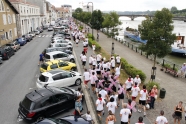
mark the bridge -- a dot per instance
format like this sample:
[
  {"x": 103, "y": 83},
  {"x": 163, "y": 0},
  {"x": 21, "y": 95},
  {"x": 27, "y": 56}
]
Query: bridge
[{"x": 180, "y": 18}]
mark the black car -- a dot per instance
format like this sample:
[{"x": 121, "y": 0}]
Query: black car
[
  {"x": 46, "y": 102},
  {"x": 65, "y": 120},
  {"x": 66, "y": 50},
  {"x": 6, "y": 52},
  {"x": 27, "y": 37}
]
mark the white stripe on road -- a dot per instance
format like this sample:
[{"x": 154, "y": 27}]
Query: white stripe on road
[
  {"x": 43, "y": 36},
  {"x": 39, "y": 36},
  {"x": 46, "y": 35}
]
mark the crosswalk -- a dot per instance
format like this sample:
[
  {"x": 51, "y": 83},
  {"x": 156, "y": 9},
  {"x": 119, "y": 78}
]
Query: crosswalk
[{"x": 44, "y": 35}]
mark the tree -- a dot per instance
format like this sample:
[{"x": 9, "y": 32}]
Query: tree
[
  {"x": 78, "y": 10},
  {"x": 158, "y": 34},
  {"x": 96, "y": 20},
  {"x": 173, "y": 9}
]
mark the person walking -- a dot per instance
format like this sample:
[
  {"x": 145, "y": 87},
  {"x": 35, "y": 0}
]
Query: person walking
[
  {"x": 135, "y": 91},
  {"x": 90, "y": 61},
  {"x": 89, "y": 118},
  {"x": 100, "y": 105},
  {"x": 41, "y": 58},
  {"x": 161, "y": 119},
  {"x": 137, "y": 79},
  {"x": 111, "y": 106},
  {"x": 121, "y": 92},
  {"x": 110, "y": 118},
  {"x": 142, "y": 100},
  {"x": 93, "y": 79},
  {"x": 93, "y": 48},
  {"x": 124, "y": 114},
  {"x": 84, "y": 59},
  {"x": 117, "y": 70},
  {"x": 140, "y": 120},
  {"x": 118, "y": 60},
  {"x": 177, "y": 115},
  {"x": 182, "y": 71},
  {"x": 78, "y": 108},
  {"x": 77, "y": 41},
  {"x": 86, "y": 78},
  {"x": 128, "y": 86},
  {"x": 153, "y": 96}
]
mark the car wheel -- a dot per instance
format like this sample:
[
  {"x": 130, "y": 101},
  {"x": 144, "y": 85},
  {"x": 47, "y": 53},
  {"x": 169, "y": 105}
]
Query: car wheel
[
  {"x": 73, "y": 69},
  {"x": 8, "y": 57},
  {"x": 40, "y": 118},
  {"x": 72, "y": 60},
  {"x": 78, "y": 82}
]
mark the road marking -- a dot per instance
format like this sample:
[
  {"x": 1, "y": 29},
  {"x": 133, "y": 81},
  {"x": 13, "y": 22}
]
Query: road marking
[
  {"x": 46, "y": 35},
  {"x": 39, "y": 36},
  {"x": 43, "y": 36}
]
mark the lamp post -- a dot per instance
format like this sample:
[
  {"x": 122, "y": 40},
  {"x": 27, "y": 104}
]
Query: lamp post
[
  {"x": 92, "y": 14},
  {"x": 112, "y": 49}
]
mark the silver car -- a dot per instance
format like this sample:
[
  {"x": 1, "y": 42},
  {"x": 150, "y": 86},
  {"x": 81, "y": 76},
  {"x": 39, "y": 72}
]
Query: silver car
[
  {"x": 15, "y": 45},
  {"x": 59, "y": 56},
  {"x": 67, "y": 42},
  {"x": 62, "y": 45}
]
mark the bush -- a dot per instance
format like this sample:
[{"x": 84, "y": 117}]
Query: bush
[
  {"x": 90, "y": 42},
  {"x": 150, "y": 85}
]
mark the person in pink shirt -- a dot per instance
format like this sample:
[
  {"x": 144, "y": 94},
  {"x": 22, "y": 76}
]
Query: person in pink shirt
[{"x": 153, "y": 95}]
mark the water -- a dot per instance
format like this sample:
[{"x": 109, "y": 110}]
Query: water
[{"x": 179, "y": 27}]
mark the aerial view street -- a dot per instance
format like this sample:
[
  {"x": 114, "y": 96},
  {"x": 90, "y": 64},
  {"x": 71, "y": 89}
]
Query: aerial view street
[{"x": 89, "y": 62}]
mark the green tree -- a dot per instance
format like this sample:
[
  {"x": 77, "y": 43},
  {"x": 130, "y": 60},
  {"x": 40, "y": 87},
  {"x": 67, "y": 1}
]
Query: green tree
[
  {"x": 78, "y": 10},
  {"x": 173, "y": 9},
  {"x": 158, "y": 34},
  {"x": 96, "y": 20}
]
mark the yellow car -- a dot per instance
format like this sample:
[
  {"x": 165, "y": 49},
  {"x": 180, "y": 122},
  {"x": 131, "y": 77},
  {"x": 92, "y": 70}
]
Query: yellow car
[{"x": 64, "y": 65}]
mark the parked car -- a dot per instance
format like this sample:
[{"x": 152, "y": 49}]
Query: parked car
[
  {"x": 67, "y": 42},
  {"x": 62, "y": 49},
  {"x": 64, "y": 36},
  {"x": 14, "y": 45},
  {"x": 59, "y": 56},
  {"x": 27, "y": 37},
  {"x": 40, "y": 30},
  {"x": 65, "y": 120},
  {"x": 50, "y": 28},
  {"x": 1, "y": 60},
  {"x": 32, "y": 34},
  {"x": 46, "y": 102},
  {"x": 37, "y": 32},
  {"x": 6, "y": 52},
  {"x": 60, "y": 45},
  {"x": 59, "y": 78},
  {"x": 57, "y": 38},
  {"x": 21, "y": 41}
]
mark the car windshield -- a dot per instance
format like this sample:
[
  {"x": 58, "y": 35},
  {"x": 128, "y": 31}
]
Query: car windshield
[
  {"x": 27, "y": 104},
  {"x": 9, "y": 44},
  {"x": 44, "y": 66},
  {"x": 43, "y": 78}
]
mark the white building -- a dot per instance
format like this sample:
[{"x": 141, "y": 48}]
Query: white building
[
  {"x": 69, "y": 8},
  {"x": 87, "y": 8},
  {"x": 29, "y": 15}
]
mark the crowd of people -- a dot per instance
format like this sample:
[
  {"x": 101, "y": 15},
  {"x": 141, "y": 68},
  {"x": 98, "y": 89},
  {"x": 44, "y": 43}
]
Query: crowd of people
[{"x": 104, "y": 78}]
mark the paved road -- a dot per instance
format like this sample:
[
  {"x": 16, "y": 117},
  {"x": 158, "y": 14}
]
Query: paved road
[
  {"x": 17, "y": 75},
  {"x": 135, "y": 115}
]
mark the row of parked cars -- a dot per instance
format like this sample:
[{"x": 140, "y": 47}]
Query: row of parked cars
[
  {"x": 53, "y": 95},
  {"x": 10, "y": 48}
]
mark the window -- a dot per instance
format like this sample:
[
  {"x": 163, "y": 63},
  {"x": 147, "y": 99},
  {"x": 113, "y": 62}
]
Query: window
[
  {"x": 62, "y": 64},
  {"x": 27, "y": 103},
  {"x": 22, "y": 22},
  {"x": 66, "y": 75},
  {"x": 15, "y": 31},
  {"x": 10, "y": 33},
  {"x": 44, "y": 66},
  {"x": 9, "y": 19},
  {"x": 6, "y": 35},
  {"x": 47, "y": 101},
  {"x": 2, "y": 6},
  {"x": 57, "y": 77},
  {"x": 13, "y": 16},
  {"x": 4, "y": 19},
  {"x": 61, "y": 97},
  {"x": 53, "y": 66},
  {"x": 47, "y": 56},
  {"x": 43, "y": 78},
  {"x": 8, "y": 10}
]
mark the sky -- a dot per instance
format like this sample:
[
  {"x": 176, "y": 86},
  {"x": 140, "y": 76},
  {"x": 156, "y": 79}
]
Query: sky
[{"x": 123, "y": 5}]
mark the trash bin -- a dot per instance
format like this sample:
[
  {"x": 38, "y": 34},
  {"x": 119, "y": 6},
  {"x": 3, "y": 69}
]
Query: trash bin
[{"x": 162, "y": 93}]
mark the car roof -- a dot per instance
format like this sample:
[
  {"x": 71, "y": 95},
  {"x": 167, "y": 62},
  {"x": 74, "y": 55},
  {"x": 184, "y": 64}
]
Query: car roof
[
  {"x": 53, "y": 62},
  {"x": 53, "y": 72},
  {"x": 54, "y": 52}
]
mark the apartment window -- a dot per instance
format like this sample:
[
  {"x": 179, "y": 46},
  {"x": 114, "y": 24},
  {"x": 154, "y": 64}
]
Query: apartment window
[
  {"x": 10, "y": 34},
  {"x": 1, "y": 6},
  {"x": 22, "y": 22},
  {"x": 15, "y": 32},
  {"x": 6, "y": 35},
  {"x": 4, "y": 19},
  {"x": 21, "y": 9},
  {"x": 8, "y": 10},
  {"x": 9, "y": 19},
  {"x": 13, "y": 16}
]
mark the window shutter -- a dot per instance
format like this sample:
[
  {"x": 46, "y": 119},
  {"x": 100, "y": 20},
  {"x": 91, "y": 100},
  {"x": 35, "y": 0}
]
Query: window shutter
[
  {"x": 4, "y": 19},
  {"x": 13, "y": 16}
]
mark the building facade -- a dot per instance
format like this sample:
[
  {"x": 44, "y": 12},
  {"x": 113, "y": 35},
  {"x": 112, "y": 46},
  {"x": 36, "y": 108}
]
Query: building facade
[
  {"x": 69, "y": 8},
  {"x": 87, "y": 8},
  {"x": 8, "y": 26}
]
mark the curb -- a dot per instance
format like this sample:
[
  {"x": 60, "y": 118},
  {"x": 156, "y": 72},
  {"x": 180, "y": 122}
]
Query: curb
[{"x": 89, "y": 103}]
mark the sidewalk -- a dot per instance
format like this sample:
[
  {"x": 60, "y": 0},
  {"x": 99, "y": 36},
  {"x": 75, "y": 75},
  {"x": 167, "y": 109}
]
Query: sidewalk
[
  {"x": 175, "y": 87},
  {"x": 135, "y": 115}
]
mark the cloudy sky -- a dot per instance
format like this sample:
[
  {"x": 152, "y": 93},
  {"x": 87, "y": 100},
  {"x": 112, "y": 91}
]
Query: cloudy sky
[{"x": 123, "y": 5}]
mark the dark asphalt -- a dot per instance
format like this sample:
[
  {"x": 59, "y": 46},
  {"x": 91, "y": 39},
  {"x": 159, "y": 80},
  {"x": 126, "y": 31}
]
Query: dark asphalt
[{"x": 18, "y": 75}]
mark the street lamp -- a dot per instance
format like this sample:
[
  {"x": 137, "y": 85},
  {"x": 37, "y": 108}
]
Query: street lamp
[
  {"x": 112, "y": 49},
  {"x": 92, "y": 15}
]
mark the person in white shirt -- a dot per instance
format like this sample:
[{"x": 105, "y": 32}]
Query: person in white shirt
[
  {"x": 84, "y": 59},
  {"x": 137, "y": 79},
  {"x": 124, "y": 114},
  {"x": 90, "y": 61},
  {"x": 93, "y": 48},
  {"x": 89, "y": 117},
  {"x": 115, "y": 96},
  {"x": 117, "y": 70},
  {"x": 118, "y": 59},
  {"x": 77, "y": 41},
  {"x": 135, "y": 91},
  {"x": 142, "y": 100},
  {"x": 94, "y": 62},
  {"x": 108, "y": 66},
  {"x": 140, "y": 120},
  {"x": 112, "y": 63},
  {"x": 161, "y": 119},
  {"x": 86, "y": 78},
  {"x": 93, "y": 79},
  {"x": 103, "y": 93},
  {"x": 111, "y": 106},
  {"x": 100, "y": 105},
  {"x": 79, "y": 94},
  {"x": 98, "y": 57},
  {"x": 128, "y": 86}
]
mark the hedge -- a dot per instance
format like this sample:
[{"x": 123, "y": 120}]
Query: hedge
[
  {"x": 90, "y": 42},
  {"x": 150, "y": 85}
]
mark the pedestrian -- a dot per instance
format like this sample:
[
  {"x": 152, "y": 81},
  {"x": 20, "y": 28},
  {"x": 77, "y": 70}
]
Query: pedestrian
[
  {"x": 77, "y": 41},
  {"x": 93, "y": 48},
  {"x": 111, "y": 106},
  {"x": 153, "y": 96},
  {"x": 177, "y": 115},
  {"x": 118, "y": 60},
  {"x": 94, "y": 62},
  {"x": 140, "y": 120},
  {"x": 110, "y": 118},
  {"x": 89, "y": 118},
  {"x": 41, "y": 58},
  {"x": 128, "y": 85},
  {"x": 124, "y": 114},
  {"x": 142, "y": 100},
  {"x": 98, "y": 58},
  {"x": 78, "y": 108},
  {"x": 137, "y": 79},
  {"x": 117, "y": 70},
  {"x": 161, "y": 119},
  {"x": 100, "y": 105},
  {"x": 121, "y": 92},
  {"x": 98, "y": 36},
  {"x": 112, "y": 63},
  {"x": 86, "y": 78},
  {"x": 90, "y": 61},
  {"x": 93, "y": 79},
  {"x": 135, "y": 91},
  {"x": 131, "y": 106},
  {"x": 84, "y": 59},
  {"x": 103, "y": 93},
  {"x": 182, "y": 71},
  {"x": 79, "y": 94}
]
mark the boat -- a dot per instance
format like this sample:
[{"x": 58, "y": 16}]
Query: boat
[{"x": 179, "y": 46}]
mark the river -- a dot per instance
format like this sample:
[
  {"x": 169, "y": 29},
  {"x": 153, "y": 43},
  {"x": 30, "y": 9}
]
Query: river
[{"x": 179, "y": 27}]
